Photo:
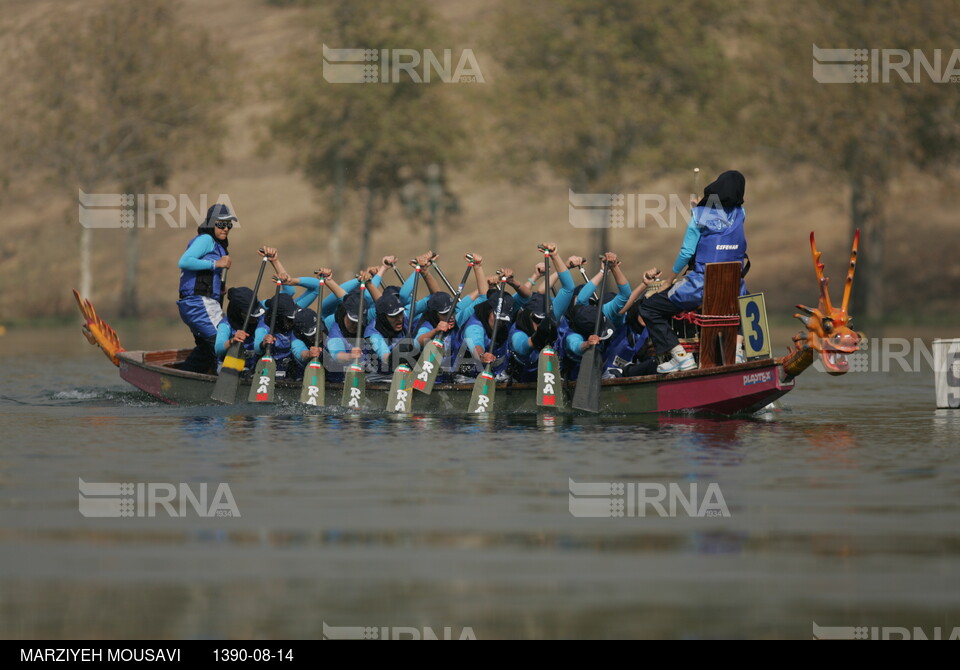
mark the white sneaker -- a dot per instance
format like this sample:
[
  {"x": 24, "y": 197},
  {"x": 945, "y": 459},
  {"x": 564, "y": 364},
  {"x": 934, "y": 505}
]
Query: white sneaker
[
  {"x": 676, "y": 365},
  {"x": 612, "y": 373}
]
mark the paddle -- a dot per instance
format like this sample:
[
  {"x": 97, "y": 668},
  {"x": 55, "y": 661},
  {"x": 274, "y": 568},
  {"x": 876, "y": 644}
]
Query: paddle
[
  {"x": 443, "y": 277},
  {"x": 586, "y": 396},
  {"x": 548, "y": 371},
  {"x": 228, "y": 381},
  {"x": 313, "y": 391},
  {"x": 398, "y": 400},
  {"x": 428, "y": 366},
  {"x": 265, "y": 371},
  {"x": 355, "y": 379},
  {"x": 485, "y": 387}
]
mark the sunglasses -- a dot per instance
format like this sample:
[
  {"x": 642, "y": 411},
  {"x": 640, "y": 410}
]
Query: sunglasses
[{"x": 224, "y": 225}]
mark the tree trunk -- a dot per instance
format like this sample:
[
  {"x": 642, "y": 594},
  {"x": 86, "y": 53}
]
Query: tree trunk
[
  {"x": 336, "y": 226},
  {"x": 867, "y": 300},
  {"x": 368, "y": 214}
]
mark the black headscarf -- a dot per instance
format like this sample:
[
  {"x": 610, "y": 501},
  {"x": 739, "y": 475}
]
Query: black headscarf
[{"x": 728, "y": 188}]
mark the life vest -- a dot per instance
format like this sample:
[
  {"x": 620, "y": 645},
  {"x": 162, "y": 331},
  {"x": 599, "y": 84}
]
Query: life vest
[
  {"x": 206, "y": 283},
  {"x": 334, "y": 367},
  {"x": 463, "y": 357},
  {"x": 722, "y": 240},
  {"x": 524, "y": 369},
  {"x": 623, "y": 347}
]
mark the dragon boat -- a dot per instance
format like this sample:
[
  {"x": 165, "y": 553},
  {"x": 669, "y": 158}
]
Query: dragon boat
[{"x": 719, "y": 386}]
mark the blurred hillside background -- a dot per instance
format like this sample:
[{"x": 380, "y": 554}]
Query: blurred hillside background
[{"x": 595, "y": 96}]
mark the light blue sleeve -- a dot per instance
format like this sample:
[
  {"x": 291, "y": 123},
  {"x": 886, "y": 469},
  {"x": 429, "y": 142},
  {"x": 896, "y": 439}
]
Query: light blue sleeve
[
  {"x": 611, "y": 309},
  {"x": 329, "y": 321},
  {"x": 423, "y": 329},
  {"x": 562, "y": 301},
  {"x": 520, "y": 344},
  {"x": 465, "y": 309},
  {"x": 379, "y": 344},
  {"x": 407, "y": 289},
  {"x": 192, "y": 258},
  {"x": 475, "y": 337},
  {"x": 337, "y": 345},
  {"x": 312, "y": 286},
  {"x": 689, "y": 246},
  {"x": 331, "y": 302},
  {"x": 572, "y": 343},
  {"x": 419, "y": 308},
  {"x": 223, "y": 336},
  {"x": 297, "y": 347},
  {"x": 261, "y": 333},
  {"x": 583, "y": 298}
]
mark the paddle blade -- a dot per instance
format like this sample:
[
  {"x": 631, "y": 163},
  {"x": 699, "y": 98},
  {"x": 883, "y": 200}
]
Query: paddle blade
[
  {"x": 428, "y": 366},
  {"x": 549, "y": 383},
  {"x": 314, "y": 380},
  {"x": 354, "y": 387},
  {"x": 228, "y": 381},
  {"x": 400, "y": 392},
  {"x": 586, "y": 396},
  {"x": 264, "y": 378},
  {"x": 484, "y": 390}
]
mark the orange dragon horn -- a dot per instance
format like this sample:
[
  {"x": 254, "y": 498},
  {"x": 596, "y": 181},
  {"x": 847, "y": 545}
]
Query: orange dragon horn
[
  {"x": 848, "y": 287},
  {"x": 823, "y": 281}
]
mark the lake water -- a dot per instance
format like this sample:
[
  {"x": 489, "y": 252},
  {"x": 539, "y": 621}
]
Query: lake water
[{"x": 844, "y": 510}]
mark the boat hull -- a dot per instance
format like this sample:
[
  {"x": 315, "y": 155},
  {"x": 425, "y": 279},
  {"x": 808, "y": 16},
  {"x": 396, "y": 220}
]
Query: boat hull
[{"x": 729, "y": 390}]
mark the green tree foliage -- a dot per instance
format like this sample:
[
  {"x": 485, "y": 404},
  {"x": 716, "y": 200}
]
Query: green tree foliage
[
  {"x": 590, "y": 88},
  {"x": 865, "y": 134},
  {"x": 365, "y": 136},
  {"x": 118, "y": 96}
]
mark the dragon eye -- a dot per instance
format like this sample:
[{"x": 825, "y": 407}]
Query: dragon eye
[{"x": 828, "y": 325}]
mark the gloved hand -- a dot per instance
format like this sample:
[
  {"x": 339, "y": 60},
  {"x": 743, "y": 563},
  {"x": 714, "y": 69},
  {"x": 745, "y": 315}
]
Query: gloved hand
[{"x": 546, "y": 334}]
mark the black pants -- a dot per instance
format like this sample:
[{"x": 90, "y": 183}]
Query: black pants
[
  {"x": 657, "y": 312},
  {"x": 203, "y": 358}
]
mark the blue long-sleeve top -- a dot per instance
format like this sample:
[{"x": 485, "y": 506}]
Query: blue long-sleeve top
[
  {"x": 689, "y": 246},
  {"x": 330, "y": 303},
  {"x": 611, "y": 310},
  {"x": 573, "y": 341},
  {"x": 192, "y": 258},
  {"x": 463, "y": 312},
  {"x": 520, "y": 342},
  {"x": 311, "y": 286}
]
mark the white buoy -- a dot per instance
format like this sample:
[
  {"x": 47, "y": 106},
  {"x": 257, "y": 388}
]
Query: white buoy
[{"x": 946, "y": 370}]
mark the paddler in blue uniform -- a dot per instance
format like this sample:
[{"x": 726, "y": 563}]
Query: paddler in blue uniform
[
  {"x": 715, "y": 234},
  {"x": 201, "y": 288},
  {"x": 232, "y": 329}
]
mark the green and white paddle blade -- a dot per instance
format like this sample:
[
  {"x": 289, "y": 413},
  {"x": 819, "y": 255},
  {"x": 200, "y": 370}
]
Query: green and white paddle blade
[
  {"x": 228, "y": 381},
  {"x": 314, "y": 381},
  {"x": 400, "y": 392},
  {"x": 264, "y": 377},
  {"x": 586, "y": 395},
  {"x": 484, "y": 389},
  {"x": 428, "y": 366},
  {"x": 354, "y": 387},
  {"x": 549, "y": 383}
]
